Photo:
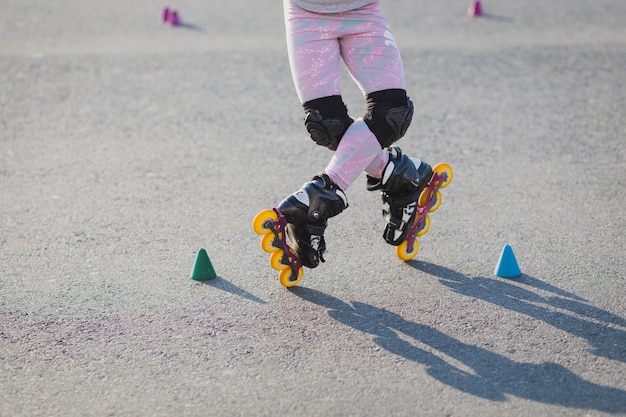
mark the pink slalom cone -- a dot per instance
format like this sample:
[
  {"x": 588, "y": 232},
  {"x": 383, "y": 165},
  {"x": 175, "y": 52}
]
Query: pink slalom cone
[
  {"x": 165, "y": 16},
  {"x": 174, "y": 18},
  {"x": 475, "y": 9}
]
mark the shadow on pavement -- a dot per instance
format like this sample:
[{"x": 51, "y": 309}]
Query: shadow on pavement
[
  {"x": 190, "y": 26},
  {"x": 564, "y": 311},
  {"x": 493, "y": 376},
  {"x": 227, "y": 286},
  {"x": 497, "y": 17}
]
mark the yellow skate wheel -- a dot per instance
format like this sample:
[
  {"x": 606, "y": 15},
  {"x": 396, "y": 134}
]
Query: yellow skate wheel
[
  {"x": 276, "y": 261},
  {"x": 258, "y": 224},
  {"x": 435, "y": 202},
  {"x": 284, "y": 277},
  {"x": 402, "y": 253},
  {"x": 267, "y": 242},
  {"x": 423, "y": 229},
  {"x": 447, "y": 171}
]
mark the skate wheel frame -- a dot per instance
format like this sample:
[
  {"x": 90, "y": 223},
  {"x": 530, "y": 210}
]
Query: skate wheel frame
[
  {"x": 428, "y": 201},
  {"x": 271, "y": 224}
]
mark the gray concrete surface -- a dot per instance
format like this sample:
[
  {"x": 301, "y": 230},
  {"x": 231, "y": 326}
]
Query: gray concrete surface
[{"x": 125, "y": 146}]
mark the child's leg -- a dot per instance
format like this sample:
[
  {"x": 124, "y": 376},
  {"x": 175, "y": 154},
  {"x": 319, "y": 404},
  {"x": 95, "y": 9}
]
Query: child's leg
[
  {"x": 314, "y": 57},
  {"x": 314, "y": 54},
  {"x": 358, "y": 150},
  {"x": 373, "y": 60},
  {"x": 370, "y": 52},
  {"x": 371, "y": 56}
]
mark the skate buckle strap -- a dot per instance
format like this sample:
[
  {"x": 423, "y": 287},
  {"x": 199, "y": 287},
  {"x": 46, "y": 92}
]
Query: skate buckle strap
[
  {"x": 401, "y": 201},
  {"x": 316, "y": 244},
  {"x": 407, "y": 214},
  {"x": 316, "y": 230}
]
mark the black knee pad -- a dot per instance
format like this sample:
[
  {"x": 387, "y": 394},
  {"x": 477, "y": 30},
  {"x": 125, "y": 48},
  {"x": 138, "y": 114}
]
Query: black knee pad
[
  {"x": 326, "y": 119},
  {"x": 389, "y": 114}
]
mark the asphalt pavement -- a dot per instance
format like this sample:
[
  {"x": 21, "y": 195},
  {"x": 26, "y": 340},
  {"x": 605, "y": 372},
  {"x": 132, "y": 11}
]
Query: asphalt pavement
[{"x": 126, "y": 145}]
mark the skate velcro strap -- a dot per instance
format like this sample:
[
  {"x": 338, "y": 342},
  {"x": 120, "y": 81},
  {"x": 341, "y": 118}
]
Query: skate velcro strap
[
  {"x": 394, "y": 222},
  {"x": 394, "y": 226},
  {"x": 316, "y": 230},
  {"x": 373, "y": 184},
  {"x": 400, "y": 201}
]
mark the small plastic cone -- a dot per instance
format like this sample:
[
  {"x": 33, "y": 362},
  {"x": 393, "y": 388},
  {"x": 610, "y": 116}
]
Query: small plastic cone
[
  {"x": 165, "y": 16},
  {"x": 202, "y": 268},
  {"x": 507, "y": 265},
  {"x": 475, "y": 9},
  {"x": 174, "y": 18}
]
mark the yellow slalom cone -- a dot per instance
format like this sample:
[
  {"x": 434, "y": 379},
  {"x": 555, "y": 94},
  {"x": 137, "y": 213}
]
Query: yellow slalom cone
[{"x": 202, "y": 269}]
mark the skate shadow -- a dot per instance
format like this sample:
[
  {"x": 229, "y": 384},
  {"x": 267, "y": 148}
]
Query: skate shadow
[
  {"x": 227, "y": 286},
  {"x": 605, "y": 331},
  {"x": 489, "y": 375}
]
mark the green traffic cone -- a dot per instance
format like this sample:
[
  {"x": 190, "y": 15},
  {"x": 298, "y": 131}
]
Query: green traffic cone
[{"x": 202, "y": 269}]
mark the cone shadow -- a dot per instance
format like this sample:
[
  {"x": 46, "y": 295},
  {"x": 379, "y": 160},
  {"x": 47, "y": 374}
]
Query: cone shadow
[
  {"x": 563, "y": 311},
  {"x": 227, "y": 286}
]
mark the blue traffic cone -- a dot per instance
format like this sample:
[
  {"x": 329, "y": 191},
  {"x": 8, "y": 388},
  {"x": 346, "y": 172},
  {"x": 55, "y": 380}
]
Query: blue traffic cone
[
  {"x": 202, "y": 268},
  {"x": 507, "y": 265}
]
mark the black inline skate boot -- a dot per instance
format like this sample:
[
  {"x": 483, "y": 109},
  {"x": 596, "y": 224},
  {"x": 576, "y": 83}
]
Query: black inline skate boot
[
  {"x": 402, "y": 182},
  {"x": 307, "y": 211}
]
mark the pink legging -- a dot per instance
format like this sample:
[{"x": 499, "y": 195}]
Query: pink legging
[{"x": 316, "y": 44}]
